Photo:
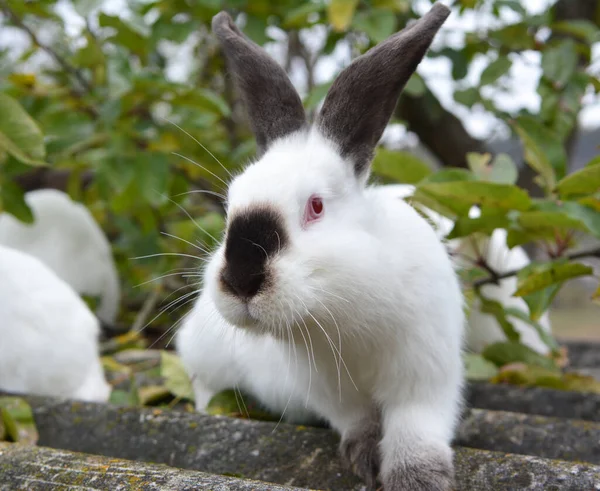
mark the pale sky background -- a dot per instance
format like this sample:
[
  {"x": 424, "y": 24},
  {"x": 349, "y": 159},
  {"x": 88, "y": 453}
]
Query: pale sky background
[{"x": 518, "y": 89}]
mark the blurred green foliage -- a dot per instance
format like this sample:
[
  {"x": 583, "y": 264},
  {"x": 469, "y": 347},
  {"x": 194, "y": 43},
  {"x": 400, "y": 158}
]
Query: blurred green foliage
[{"x": 157, "y": 153}]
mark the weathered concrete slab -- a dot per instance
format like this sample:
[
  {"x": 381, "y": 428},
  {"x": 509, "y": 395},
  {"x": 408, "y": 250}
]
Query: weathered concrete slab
[
  {"x": 541, "y": 436},
  {"x": 285, "y": 454},
  {"x": 535, "y": 400},
  {"x": 583, "y": 354},
  {"x": 37, "y": 468}
]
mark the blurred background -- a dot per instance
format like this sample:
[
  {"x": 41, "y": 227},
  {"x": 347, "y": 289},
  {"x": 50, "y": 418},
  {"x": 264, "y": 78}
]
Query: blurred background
[{"x": 135, "y": 112}]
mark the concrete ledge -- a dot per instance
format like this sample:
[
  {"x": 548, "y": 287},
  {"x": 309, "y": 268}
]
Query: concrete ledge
[
  {"x": 583, "y": 354},
  {"x": 535, "y": 400},
  {"x": 541, "y": 436},
  {"x": 38, "y": 468},
  {"x": 288, "y": 455}
]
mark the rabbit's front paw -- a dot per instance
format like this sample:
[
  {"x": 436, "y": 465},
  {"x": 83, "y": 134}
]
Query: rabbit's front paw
[
  {"x": 360, "y": 450},
  {"x": 430, "y": 473}
]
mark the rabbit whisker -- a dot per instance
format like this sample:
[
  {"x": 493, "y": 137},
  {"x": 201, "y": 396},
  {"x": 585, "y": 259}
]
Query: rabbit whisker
[
  {"x": 169, "y": 254},
  {"x": 308, "y": 351},
  {"x": 193, "y": 221},
  {"x": 200, "y": 248},
  {"x": 174, "y": 302},
  {"x": 201, "y": 167},
  {"x": 202, "y": 191},
  {"x": 257, "y": 245},
  {"x": 166, "y": 275},
  {"x": 206, "y": 149}
]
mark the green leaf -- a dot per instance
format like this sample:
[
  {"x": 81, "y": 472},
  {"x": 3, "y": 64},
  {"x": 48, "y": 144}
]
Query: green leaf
[
  {"x": 316, "y": 95},
  {"x": 415, "y": 86},
  {"x": 152, "y": 394},
  {"x": 12, "y": 200},
  {"x": 515, "y": 37},
  {"x": 175, "y": 375},
  {"x": 544, "y": 152},
  {"x": 256, "y": 29},
  {"x": 204, "y": 99},
  {"x": 496, "y": 309},
  {"x": 298, "y": 17},
  {"x": 125, "y": 34},
  {"x": 17, "y": 419},
  {"x": 550, "y": 274},
  {"x": 464, "y": 226},
  {"x": 467, "y": 97},
  {"x": 515, "y": 5},
  {"x": 585, "y": 214},
  {"x": 485, "y": 194},
  {"x": 478, "y": 163},
  {"x": 20, "y": 136},
  {"x": 503, "y": 353},
  {"x": 402, "y": 167},
  {"x": 238, "y": 405},
  {"x": 550, "y": 221},
  {"x": 540, "y": 301},
  {"x": 340, "y": 13},
  {"x": 152, "y": 177},
  {"x": 583, "y": 29},
  {"x": 378, "y": 24},
  {"x": 545, "y": 336},
  {"x": 584, "y": 181},
  {"x": 504, "y": 170},
  {"x": 86, "y": 7},
  {"x": 495, "y": 70},
  {"x": 594, "y": 161},
  {"x": 478, "y": 368},
  {"x": 560, "y": 62},
  {"x": 450, "y": 175},
  {"x": 120, "y": 397}
]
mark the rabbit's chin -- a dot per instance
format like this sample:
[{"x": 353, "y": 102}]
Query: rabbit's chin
[{"x": 244, "y": 315}]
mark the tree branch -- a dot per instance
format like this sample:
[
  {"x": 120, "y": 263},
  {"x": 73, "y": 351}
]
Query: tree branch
[
  {"x": 438, "y": 129},
  {"x": 496, "y": 277},
  {"x": 66, "y": 66},
  {"x": 445, "y": 135}
]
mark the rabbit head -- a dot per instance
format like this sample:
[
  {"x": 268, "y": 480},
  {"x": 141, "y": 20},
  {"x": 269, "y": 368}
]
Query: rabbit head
[{"x": 298, "y": 220}]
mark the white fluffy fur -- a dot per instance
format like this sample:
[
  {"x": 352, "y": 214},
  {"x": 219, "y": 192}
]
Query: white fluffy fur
[
  {"x": 68, "y": 240},
  {"x": 48, "y": 336},
  {"x": 483, "y": 328},
  {"x": 371, "y": 281}
]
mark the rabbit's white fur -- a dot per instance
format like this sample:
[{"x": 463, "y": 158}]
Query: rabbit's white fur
[
  {"x": 68, "y": 240},
  {"x": 327, "y": 291},
  {"x": 483, "y": 328},
  {"x": 48, "y": 336},
  {"x": 370, "y": 281}
]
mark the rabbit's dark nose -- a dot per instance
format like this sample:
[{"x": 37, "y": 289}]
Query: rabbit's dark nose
[
  {"x": 254, "y": 236},
  {"x": 244, "y": 287}
]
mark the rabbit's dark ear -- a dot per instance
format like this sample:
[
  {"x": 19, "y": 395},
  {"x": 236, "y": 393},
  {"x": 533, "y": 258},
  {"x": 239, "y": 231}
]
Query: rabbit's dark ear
[
  {"x": 274, "y": 107},
  {"x": 361, "y": 100}
]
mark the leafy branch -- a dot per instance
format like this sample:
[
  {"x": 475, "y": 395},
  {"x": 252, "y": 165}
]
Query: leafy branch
[
  {"x": 66, "y": 66},
  {"x": 496, "y": 277}
]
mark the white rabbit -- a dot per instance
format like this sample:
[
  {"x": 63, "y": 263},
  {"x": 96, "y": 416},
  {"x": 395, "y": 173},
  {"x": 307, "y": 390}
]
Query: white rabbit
[
  {"x": 483, "y": 328},
  {"x": 326, "y": 292},
  {"x": 68, "y": 240},
  {"x": 48, "y": 335}
]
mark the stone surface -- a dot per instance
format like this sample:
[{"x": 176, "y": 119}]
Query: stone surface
[
  {"x": 535, "y": 400},
  {"x": 541, "y": 436},
  {"x": 583, "y": 354},
  {"x": 38, "y": 468},
  {"x": 284, "y": 454}
]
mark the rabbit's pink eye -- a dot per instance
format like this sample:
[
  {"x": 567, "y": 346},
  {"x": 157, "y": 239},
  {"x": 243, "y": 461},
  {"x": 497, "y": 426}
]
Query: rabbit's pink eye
[
  {"x": 314, "y": 209},
  {"x": 317, "y": 206}
]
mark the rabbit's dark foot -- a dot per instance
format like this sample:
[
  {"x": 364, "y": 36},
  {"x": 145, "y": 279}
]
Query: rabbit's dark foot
[
  {"x": 360, "y": 450},
  {"x": 428, "y": 472}
]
